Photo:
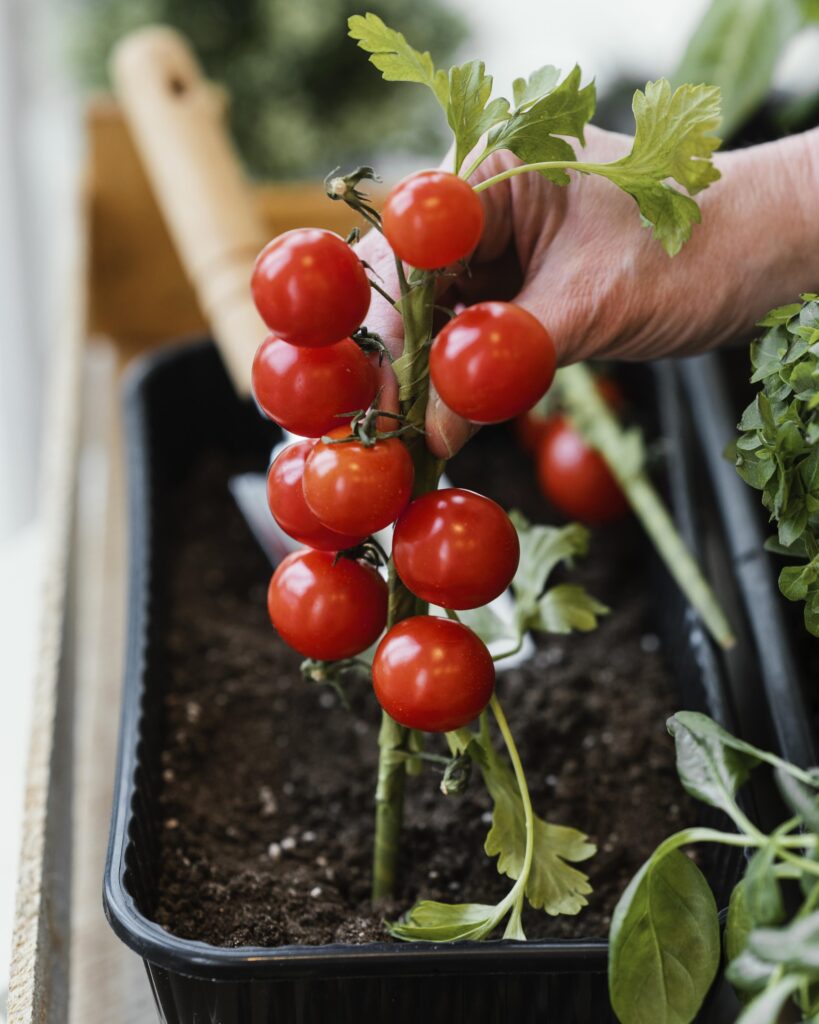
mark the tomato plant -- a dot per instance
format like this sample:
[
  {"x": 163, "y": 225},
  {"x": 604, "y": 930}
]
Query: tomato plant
[
  {"x": 352, "y": 487},
  {"x": 306, "y": 391},
  {"x": 455, "y": 548},
  {"x": 432, "y": 219},
  {"x": 285, "y": 496},
  {"x": 492, "y": 362},
  {"x": 575, "y": 478},
  {"x": 310, "y": 287},
  {"x": 432, "y": 674},
  {"x": 327, "y": 608}
]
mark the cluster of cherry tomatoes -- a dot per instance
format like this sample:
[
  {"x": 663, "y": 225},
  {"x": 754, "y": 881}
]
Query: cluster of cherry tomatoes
[{"x": 334, "y": 489}]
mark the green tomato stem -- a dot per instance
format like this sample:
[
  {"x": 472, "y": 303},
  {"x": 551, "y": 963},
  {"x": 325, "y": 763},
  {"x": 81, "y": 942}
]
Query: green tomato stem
[
  {"x": 416, "y": 308},
  {"x": 592, "y": 417},
  {"x": 544, "y": 165}
]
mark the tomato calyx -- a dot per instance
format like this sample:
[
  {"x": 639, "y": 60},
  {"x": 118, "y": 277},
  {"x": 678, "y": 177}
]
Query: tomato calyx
[
  {"x": 344, "y": 188},
  {"x": 371, "y": 343},
  {"x": 364, "y": 425},
  {"x": 334, "y": 674},
  {"x": 369, "y": 551}
]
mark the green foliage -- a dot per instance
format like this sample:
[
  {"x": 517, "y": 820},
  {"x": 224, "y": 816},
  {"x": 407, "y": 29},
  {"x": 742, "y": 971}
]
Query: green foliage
[
  {"x": 664, "y": 933},
  {"x": 301, "y": 99},
  {"x": 777, "y": 450},
  {"x": 737, "y": 47}
]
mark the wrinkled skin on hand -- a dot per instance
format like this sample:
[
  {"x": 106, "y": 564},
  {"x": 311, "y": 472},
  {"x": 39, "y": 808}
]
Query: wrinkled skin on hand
[{"x": 579, "y": 259}]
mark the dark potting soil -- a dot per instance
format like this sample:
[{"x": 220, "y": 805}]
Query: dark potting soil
[{"x": 268, "y": 781}]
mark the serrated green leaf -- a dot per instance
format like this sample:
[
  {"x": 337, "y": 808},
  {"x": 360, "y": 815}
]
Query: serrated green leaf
[
  {"x": 673, "y": 139},
  {"x": 553, "y": 885},
  {"x": 430, "y": 921},
  {"x": 532, "y": 134},
  {"x": 541, "y": 549},
  {"x": 526, "y": 91},
  {"x": 471, "y": 111},
  {"x": 664, "y": 943},
  {"x": 565, "y": 608},
  {"x": 395, "y": 58}
]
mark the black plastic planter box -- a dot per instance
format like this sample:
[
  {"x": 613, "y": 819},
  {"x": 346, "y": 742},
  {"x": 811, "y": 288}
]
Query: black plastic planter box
[
  {"x": 179, "y": 405},
  {"x": 717, "y": 409}
]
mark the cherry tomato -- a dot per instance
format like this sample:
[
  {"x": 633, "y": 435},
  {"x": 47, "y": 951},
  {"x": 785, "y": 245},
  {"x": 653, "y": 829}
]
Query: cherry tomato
[
  {"x": 432, "y": 674},
  {"x": 304, "y": 390},
  {"x": 492, "y": 362},
  {"x": 575, "y": 478},
  {"x": 310, "y": 287},
  {"x": 286, "y": 500},
  {"x": 532, "y": 426},
  {"x": 455, "y": 548},
  {"x": 432, "y": 219},
  {"x": 324, "y": 610},
  {"x": 355, "y": 489}
]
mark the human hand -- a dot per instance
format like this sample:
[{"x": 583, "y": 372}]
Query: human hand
[{"x": 579, "y": 259}]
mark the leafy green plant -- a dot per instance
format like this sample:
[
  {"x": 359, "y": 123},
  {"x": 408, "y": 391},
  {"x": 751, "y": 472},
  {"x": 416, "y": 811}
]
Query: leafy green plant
[
  {"x": 777, "y": 451},
  {"x": 737, "y": 46},
  {"x": 665, "y": 933},
  {"x": 435, "y": 674}
]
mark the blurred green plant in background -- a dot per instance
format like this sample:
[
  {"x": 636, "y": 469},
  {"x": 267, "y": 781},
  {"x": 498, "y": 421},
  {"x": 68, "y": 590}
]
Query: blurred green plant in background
[{"x": 300, "y": 94}]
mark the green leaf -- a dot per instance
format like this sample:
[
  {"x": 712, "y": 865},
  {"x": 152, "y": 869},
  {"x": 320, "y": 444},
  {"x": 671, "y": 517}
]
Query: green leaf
[
  {"x": 471, "y": 112},
  {"x": 800, "y": 799},
  {"x": 429, "y": 921},
  {"x": 796, "y": 945},
  {"x": 763, "y": 897},
  {"x": 796, "y": 580},
  {"x": 664, "y": 943},
  {"x": 395, "y": 58},
  {"x": 673, "y": 139},
  {"x": 711, "y": 763},
  {"x": 736, "y": 47},
  {"x": 532, "y": 133},
  {"x": 765, "y": 1008},
  {"x": 553, "y": 885},
  {"x": 739, "y": 924},
  {"x": 490, "y": 627},
  {"x": 565, "y": 608},
  {"x": 526, "y": 91},
  {"x": 747, "y": 972},
  {"x": 541, "y": 549}
]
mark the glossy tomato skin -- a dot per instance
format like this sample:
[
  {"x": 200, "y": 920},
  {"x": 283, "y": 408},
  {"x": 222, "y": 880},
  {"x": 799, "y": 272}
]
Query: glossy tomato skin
[
  {"x": 304, "y": 390},
  {"x": 310, "y": 287},
  {"x": 455, "y": 548},
  {"x": 353, "y": 489},
  {"x": 432, "y": 219},
  {"x": 575, "y": 478},
  {"x": 285, "y": 496},
  {"x": 492, "y": 362},
  {"x": 324, "y": 610},
  {"x": 432, "y": 674}
]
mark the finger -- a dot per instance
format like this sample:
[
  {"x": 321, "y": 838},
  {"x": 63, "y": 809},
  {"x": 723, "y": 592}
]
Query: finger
[{"x": 447, "y": 432}]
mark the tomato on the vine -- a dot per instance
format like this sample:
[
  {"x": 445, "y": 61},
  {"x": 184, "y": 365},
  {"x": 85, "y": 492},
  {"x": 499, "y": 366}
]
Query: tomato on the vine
[
  {"x": 310, "y": 287},
  {"x": 455, "y": 548},
  {"x": 327, "y": 609},
  {"x": 304, "y": 390},
  {"x": 285, "y": 496},
  {"x": 432, "y": 674},
  {"x": 492, "y": 362},
  {"x": 575, "y": 477},
  {"x": 358, "y": 489},
  {"x": 432, "y": 219},
  {"x": 532, "y": 426}
]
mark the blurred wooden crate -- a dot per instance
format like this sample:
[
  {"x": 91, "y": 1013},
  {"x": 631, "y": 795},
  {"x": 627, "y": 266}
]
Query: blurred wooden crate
[{"x": 129, "y": 294}]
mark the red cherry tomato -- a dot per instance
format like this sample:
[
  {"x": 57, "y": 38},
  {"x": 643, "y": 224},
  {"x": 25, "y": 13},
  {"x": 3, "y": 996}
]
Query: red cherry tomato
[
  {"x": 286, "y": 500},
  {"x": 455, "y": 548},
  {"x": 355, "y": 489},
  {"x": 492, "y": 362},
  {"x": 310, "y": 287},
  {"x": 304, "y": 390},
  {"x": 324, "y": 610},
  {"x": 575, "y": 478},
  {"x": 432, "y": 674},
  {"x": 432, "y": 219}
]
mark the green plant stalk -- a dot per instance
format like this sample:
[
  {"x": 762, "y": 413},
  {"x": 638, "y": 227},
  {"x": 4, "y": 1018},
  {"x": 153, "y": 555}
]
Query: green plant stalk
[
  {"x": 416, "y": 308},
  {"x": 600, "y": 429}
]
